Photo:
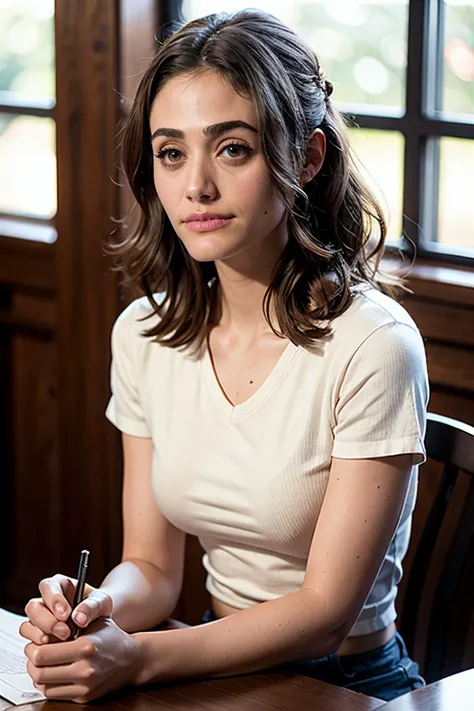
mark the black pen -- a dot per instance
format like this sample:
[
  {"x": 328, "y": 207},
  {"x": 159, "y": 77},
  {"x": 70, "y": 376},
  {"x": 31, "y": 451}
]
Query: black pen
[{"x": 81, "y": 583}]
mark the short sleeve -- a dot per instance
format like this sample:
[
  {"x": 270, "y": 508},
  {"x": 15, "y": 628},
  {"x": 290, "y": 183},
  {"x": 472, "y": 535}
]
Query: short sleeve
[
  {"x": 124, "y": 409},
  {"x": 383, "y": 395}
]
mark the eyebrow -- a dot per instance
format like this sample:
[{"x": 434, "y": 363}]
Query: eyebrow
[{"x": 210, "y": 131}]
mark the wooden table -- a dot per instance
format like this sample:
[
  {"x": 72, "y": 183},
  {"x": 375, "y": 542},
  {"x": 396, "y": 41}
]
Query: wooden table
[
  {"x": 454, "y": 693},
  {"x": 256, "y": 692},
  {"x": 275, "y": 692}
]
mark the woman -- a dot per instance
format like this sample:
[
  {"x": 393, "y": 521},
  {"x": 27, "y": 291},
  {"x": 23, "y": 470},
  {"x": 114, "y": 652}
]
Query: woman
[{"x": 271, "y": 397}]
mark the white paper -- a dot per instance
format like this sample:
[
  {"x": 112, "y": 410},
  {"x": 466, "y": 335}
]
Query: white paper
[{"x": 15, "y": 683}]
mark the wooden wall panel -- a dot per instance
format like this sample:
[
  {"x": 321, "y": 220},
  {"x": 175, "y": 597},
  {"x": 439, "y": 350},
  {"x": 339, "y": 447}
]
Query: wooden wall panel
[
  {"x": 444, "y": 314},
  {"x": 31, "y": 310},
  {"x": 437, "y": 282},
  {"x": 30, "y": 475},
  {"x": 87, "y": 114},
  {"x": 27, "y": 264},
  {"x": 451, "y": 366},
  {"x": 450, "y": 323},
  {"x": 6, "y": 460},
  {"x": 452, "y": 404},
  {"x": 36, "y": 485}
]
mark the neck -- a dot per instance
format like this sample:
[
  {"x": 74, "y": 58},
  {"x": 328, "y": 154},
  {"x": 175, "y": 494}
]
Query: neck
[{"x": 243, "y": 281}]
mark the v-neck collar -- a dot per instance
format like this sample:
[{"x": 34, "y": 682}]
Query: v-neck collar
[{"x": 231, "y": 412}]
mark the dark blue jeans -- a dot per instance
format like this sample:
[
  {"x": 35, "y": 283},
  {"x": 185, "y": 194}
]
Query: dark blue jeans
[{"x": 385, "y": 672}]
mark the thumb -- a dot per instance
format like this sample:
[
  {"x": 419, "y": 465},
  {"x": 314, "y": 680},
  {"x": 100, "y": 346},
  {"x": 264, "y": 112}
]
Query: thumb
[{"x": 97, "y": 604}]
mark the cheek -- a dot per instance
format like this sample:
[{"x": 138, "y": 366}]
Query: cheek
[
  {"x": 257, "y": 197},
  {"x": 266, "y": 206},
  {"x": 160, "y": 186},
  {"x": 168, "y": 194}
]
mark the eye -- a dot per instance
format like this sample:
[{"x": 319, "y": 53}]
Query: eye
[
  {"x": 168, "y": 155},
  {"x": 238, "y": 150}
]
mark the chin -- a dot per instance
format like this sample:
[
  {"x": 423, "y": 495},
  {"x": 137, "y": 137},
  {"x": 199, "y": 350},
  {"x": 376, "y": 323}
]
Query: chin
[{"x": 210, "y": 247}]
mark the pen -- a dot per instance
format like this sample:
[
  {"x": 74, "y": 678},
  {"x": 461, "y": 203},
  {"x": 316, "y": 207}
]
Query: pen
[{"x": 81, "y": 582}]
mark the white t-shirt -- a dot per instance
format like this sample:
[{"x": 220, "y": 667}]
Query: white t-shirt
[{"x": 249, "y": 480}]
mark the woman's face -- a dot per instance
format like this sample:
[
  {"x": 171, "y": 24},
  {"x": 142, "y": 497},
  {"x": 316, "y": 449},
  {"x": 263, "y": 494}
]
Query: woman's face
[{"x": 203, "y": 166}]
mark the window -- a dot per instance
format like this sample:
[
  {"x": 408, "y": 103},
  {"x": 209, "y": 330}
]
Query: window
[
  {"x": 404, "y": 70},
  {"x": 27, "y": 100}
]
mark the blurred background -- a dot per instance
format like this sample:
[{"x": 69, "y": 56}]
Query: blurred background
[{"x": 403, "y": 73}]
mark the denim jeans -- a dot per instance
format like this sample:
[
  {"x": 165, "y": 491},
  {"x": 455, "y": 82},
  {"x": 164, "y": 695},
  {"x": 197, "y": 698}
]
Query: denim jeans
[{"x": 384, "y": 673}]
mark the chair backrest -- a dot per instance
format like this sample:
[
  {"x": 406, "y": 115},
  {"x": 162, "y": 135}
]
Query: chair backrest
[{"x": 452, "y": 443}]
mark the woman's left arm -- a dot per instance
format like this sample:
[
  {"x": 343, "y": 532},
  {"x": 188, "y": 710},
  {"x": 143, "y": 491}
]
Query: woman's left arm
[{"x": 361, "y": 508}]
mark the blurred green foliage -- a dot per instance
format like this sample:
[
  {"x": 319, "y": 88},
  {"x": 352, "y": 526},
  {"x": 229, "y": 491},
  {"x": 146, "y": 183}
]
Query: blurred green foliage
[
  {"x": 27, "y": 47},
  {"x": 26, "y": 51}
]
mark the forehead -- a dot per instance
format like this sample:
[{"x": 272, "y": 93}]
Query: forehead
[{"x": 194, "y": 102}]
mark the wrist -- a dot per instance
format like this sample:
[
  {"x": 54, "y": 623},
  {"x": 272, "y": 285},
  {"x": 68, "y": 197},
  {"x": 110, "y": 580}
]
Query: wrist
[
  {"x": 144, "y": 667},
  {"x": 165, "y": 656}
]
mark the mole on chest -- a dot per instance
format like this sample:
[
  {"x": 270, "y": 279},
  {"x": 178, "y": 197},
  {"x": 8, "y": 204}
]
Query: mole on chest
[
  {"x": 240, "y": 372},
  {"x": 239, "y": 382}
]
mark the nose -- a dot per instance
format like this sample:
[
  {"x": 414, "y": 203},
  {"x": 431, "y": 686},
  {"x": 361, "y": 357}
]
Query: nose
[{"x": 200, "y": 185}]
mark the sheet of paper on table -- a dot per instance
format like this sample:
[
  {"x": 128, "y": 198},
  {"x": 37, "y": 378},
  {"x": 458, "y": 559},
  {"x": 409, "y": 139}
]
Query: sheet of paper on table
[{"x": 15, "y": 683}]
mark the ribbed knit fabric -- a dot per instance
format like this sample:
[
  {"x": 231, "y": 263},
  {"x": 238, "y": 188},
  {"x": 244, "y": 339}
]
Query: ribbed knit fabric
[{"x": 249, "y": 480}]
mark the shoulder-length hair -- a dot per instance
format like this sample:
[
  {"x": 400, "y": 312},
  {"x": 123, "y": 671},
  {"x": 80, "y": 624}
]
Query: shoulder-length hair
[{"x": 330, "y": 220}]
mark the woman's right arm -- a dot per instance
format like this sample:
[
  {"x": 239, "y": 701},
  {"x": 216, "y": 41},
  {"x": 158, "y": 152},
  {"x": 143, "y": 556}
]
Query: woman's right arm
[{"x": 144, "y": 588}]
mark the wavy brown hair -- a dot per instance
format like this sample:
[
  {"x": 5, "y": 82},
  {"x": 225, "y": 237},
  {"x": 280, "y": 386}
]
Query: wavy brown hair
[{"x": 336, "y": 227}]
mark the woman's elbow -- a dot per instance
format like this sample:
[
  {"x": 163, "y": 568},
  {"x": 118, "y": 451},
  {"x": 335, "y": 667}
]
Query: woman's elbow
[{"x": 330, "y": 622}]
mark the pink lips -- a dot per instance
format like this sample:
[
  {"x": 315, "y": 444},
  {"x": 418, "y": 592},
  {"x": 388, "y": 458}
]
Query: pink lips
[{"x": 207, "y": 225}]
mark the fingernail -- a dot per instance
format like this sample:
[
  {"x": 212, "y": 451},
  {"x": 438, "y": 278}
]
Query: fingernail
[
  {"x": 60, "y": 609},
  {"x": 80, "y": 618},
  {"x": 61, "y": 630},
  {"x": 44, "y": 639}
]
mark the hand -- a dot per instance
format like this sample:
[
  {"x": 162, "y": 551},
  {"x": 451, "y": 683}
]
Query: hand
[
  {"x": 48, "y": 614},
  {"x": 101, "y": 660}
]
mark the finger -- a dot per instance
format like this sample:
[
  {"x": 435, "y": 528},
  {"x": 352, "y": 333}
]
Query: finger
[
  {"x": 75, "y": 673},
  {"x": 50, "y": 655},
  {"x": 41, "y": 617},
  {"x": 33, "y": 633},
  {"x": 98, "y": 604},
  {"x": 67, "y": 692},
  {"x": 56, "y": 593}
]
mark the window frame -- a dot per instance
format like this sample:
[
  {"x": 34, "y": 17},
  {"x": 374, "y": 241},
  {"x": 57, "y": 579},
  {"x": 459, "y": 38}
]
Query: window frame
[{"x": 421, "y": 124}]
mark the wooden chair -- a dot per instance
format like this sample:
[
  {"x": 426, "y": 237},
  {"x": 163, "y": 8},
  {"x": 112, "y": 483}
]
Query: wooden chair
[{"x": 452, "y": 613}]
